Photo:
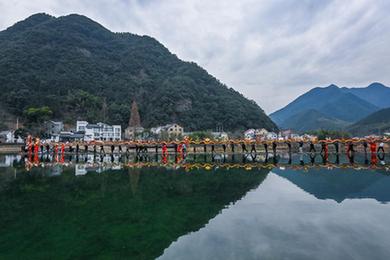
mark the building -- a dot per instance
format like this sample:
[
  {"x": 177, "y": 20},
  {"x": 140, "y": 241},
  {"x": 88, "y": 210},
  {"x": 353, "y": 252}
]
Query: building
[
  {"x": 223, "y": 136},
  {"x": 54, "y": 127},
  {"x": 170, "y": 130},
  {"x": 7, "y": 137},
  {"x": 99, "y": 131},
  {"x": 134, "y": 129},
  {"x": 250, "y": 133}
]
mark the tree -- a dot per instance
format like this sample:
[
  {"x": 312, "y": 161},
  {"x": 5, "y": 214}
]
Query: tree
[{"x": 38, "y": 115}]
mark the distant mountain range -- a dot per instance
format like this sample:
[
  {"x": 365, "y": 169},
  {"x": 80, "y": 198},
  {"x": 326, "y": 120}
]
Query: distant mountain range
[{"x": 332, "y": 107}]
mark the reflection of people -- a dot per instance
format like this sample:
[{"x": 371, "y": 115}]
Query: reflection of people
[
  {"x": 374, "y": 159},
  {"x": 301, "y": 146},
  {"x": 381, "y": 147},
  {"x": 312, "y": 148}
]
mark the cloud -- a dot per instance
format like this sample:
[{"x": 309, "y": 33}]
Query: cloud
[{"x": 271, "y": 51}]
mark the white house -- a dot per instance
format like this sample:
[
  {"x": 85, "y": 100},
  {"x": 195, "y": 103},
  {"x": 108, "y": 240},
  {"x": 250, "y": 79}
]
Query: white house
[
  {"x": 250, "y": 133},
  {"x": 99, "y": 131},
  {"x": 7, "y": 137},
  {"x": 272, "y": 136}
]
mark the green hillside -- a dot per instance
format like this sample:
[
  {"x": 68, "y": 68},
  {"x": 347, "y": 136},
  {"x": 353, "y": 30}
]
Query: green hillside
[
  {"x": 313, "y": 120},
  {"x": 80, "y": 70},
  {"x": 376, "y": 123}
]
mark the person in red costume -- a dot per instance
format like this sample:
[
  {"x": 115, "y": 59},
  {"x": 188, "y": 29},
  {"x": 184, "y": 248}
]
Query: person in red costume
[
  {"x": 164, "y": 149},
  {"x": 63, "y": 148},
  {"x": 36, "y": 146},
  {"x": 373, "y": 147}
]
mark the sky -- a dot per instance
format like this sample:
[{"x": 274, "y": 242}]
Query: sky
[{"x": 270, "y": 50}]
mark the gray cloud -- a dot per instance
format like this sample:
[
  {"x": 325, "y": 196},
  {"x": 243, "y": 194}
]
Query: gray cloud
[{"x": 271, "y": 51}]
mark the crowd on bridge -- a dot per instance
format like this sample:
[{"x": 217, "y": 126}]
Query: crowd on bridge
[{"x": 373, "y": 145}]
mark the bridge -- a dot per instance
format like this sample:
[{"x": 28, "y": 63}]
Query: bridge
[{"x": 373, "y": 145}]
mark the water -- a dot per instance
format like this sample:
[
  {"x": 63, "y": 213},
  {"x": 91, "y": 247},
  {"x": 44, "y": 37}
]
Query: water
[{"x": 199, "y": 207}]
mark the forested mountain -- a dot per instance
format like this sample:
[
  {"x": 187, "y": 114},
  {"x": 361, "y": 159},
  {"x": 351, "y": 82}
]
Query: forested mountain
[
  {"x": 72, "y": 68},
  {"x": 376, "y": 123},
  {"x": 332, "y": 107}
]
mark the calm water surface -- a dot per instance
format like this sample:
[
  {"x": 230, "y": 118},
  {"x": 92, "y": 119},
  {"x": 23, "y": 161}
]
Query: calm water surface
[{"x": 199, "y": 207}]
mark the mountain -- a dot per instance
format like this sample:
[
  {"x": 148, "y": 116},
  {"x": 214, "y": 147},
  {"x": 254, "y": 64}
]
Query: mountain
[
  {"x": 313, "y": 119},
  {"x": 73, "y": 68},
  {"x": 376, "y": 93},
  {"x": 376, "y": 123},
  {"x": 337, "y": 107}
]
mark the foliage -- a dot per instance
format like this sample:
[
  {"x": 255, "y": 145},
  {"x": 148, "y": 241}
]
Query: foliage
[
  {"x": 323, "y": 134},
  {"x": 3, "y": 126},
  {"x": 201, "y": 135},
  {"x": 38, "y": 115},
  {"x": 80, "y": 70}
]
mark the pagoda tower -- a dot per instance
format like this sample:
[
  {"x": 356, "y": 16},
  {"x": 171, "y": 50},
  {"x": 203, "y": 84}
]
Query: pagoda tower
[{"x": 134, "y": 128}]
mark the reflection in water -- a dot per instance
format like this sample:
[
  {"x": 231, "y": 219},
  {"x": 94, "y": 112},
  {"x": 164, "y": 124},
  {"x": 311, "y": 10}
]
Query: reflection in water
[
  {"x": 116, "y": 213},
  {"x": 281, "y": 221},
  {"x": 195, "y": 207}
]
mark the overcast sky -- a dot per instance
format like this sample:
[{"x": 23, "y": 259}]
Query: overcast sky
[{"x": 269, "y": 50}]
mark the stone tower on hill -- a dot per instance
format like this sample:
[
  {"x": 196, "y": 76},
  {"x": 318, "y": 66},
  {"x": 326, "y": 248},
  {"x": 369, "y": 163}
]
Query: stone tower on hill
[{"x": 134, "y": 128}]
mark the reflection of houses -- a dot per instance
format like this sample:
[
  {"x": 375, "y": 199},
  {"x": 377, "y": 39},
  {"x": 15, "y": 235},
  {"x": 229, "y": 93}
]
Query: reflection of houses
[
  {"x": 170, "y": 130},
  {"x": 99, "y": 131},
  {"x": 134, "y": 129}
]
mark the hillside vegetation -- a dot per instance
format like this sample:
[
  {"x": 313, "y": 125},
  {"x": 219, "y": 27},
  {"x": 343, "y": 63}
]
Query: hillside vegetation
[{"x": 80, "y": 70}]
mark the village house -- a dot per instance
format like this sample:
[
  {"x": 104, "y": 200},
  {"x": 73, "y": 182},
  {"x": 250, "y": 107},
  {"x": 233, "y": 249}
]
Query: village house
[
  {"x": 54, "y": 127},
  {"x": 171, "y": 130},
  {"x": 99, "y": 131}
]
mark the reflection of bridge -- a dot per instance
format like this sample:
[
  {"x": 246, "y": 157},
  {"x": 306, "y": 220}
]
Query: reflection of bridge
[{"x": 211, "y": 161}]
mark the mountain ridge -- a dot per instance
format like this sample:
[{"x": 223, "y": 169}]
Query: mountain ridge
[
  {"x": 348, "y": 105},
  {"x": 81, "y": 70}
]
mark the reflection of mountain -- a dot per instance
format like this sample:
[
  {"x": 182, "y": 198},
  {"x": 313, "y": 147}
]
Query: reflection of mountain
[
  {"x": 340, "y": 184},
  {"x": 115, "y": 214}
]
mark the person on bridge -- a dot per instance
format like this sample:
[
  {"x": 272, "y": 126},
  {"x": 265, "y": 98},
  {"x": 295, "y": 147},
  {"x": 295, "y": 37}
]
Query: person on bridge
[
  {"x": 324, "y": 146},
  {"x": 62, "y": 148},
  {"x": 36, "y": 146},
  {"x": 365, "y": 145},
  {"x": 112, "y": 148},
  {"x": 253, "y": 150},
  {"x": 232, "y": 147},
  {"x": 274, "y": 145},
  {"x": 164, "y": 149},
  {"x": 350, "y": 148},
  {"x": 266, "y": 147},
  {"x": 102, "y": 149},
  {"x": 243, "y": 146},
  {"x": 373, "y": 147},
  {"x": 336, "y": 146}
]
